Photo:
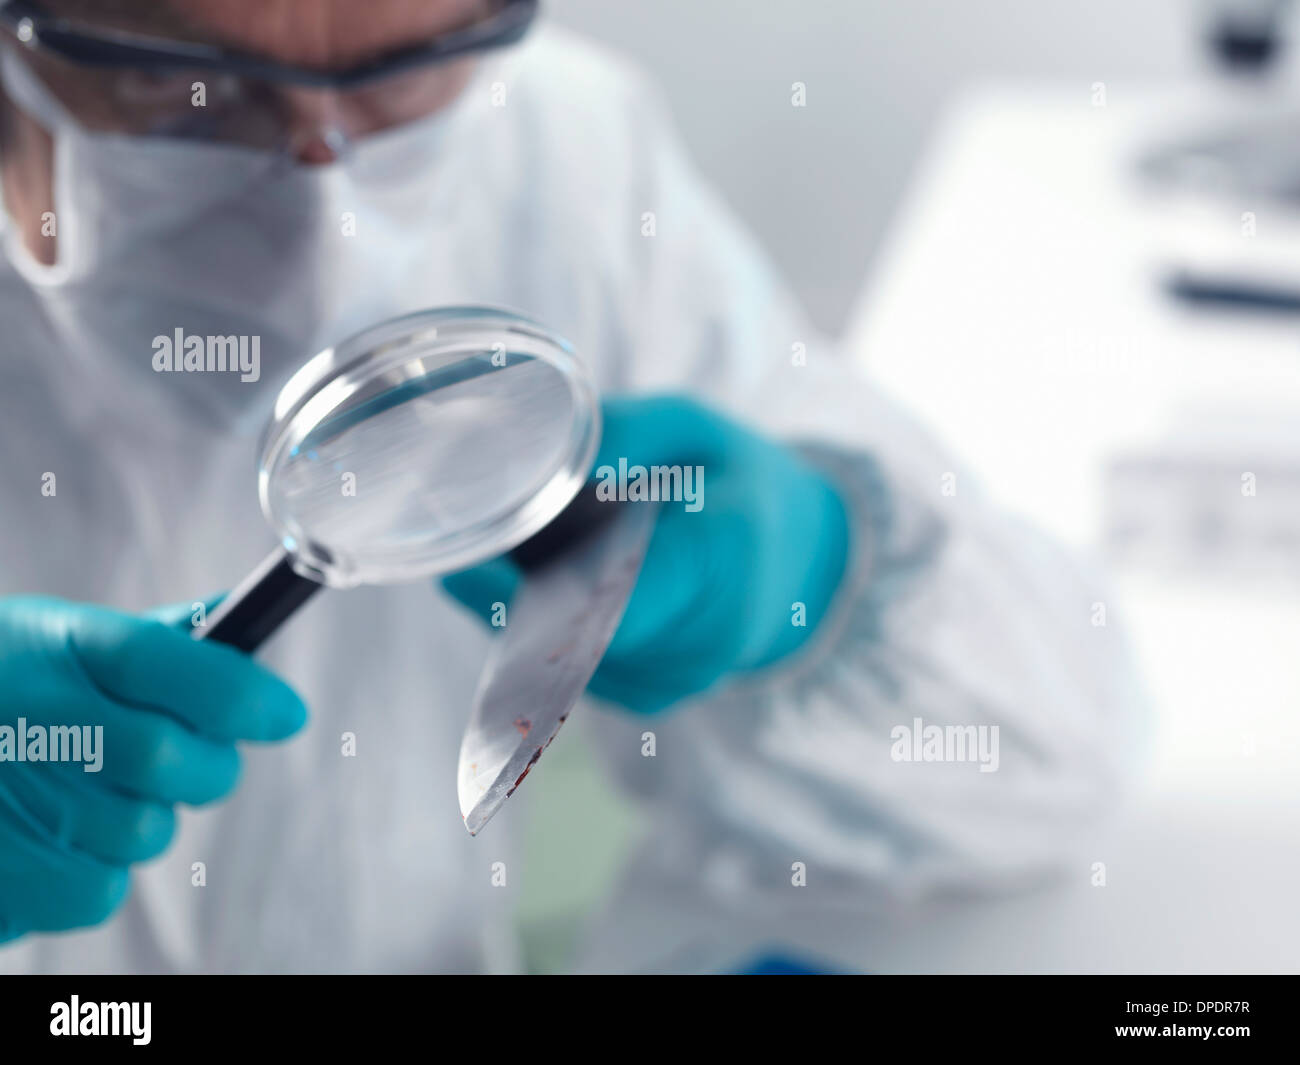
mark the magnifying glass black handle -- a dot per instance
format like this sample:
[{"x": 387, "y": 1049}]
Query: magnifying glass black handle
[
  {"x": 265, "y": 599},
  {"x": 258, "y": 605}
]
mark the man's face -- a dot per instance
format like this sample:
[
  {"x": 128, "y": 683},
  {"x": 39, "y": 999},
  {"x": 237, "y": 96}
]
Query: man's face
[{"x": 319, "y": 35}]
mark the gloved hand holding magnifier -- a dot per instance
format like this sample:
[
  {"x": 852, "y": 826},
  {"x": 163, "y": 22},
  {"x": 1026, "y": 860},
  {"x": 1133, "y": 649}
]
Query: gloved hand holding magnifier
[{"x": 422, "y": 446}]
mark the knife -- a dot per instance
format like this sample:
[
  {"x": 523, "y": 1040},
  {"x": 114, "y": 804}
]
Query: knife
[{"x": 559, "y": 623}]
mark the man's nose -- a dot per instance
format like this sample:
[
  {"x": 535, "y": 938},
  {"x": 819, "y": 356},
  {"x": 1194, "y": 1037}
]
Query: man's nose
[{"x": 316, "y": 125}]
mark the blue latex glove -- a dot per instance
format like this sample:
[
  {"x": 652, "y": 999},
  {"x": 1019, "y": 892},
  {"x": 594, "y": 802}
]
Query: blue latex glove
[
  {"x": 172, "y": 709},
  {"x": 717, "y": 592}
]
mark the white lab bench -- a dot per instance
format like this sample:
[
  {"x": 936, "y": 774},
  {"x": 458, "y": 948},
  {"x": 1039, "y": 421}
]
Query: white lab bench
[{"x": 1016, "y": 310}]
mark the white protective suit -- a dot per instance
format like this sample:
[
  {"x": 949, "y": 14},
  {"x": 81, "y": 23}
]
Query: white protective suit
[{"x": 952, "y": 613}]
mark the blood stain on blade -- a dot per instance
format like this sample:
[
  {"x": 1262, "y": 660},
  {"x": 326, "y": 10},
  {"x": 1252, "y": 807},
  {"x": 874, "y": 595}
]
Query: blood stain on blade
[
  {"x": 527, "y": 769},
  {"x": 558, "y": 653},
  {"x": 556, "y": 732},
  {"x": 523, "y": 725}
]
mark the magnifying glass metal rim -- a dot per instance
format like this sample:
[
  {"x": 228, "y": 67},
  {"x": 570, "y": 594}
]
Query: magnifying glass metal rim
[
  {"x": 540, "y": 525},
  {"x": 329, "y": 379}
]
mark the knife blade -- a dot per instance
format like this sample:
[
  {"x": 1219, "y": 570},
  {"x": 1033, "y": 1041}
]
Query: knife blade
[{"x": 558, "y": 626}]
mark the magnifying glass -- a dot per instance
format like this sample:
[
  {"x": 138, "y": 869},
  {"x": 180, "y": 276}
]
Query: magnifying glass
[{"x": 424, "y": 445}]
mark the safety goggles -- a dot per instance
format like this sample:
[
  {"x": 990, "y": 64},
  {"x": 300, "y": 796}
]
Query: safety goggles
[{"x": 124, "y": 80}]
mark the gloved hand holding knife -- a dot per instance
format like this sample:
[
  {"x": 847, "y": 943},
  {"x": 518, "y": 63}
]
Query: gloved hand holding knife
[{"x": 717, "y": 591}]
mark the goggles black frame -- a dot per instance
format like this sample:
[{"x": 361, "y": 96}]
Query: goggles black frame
[{"x": 35, "y": 27}]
